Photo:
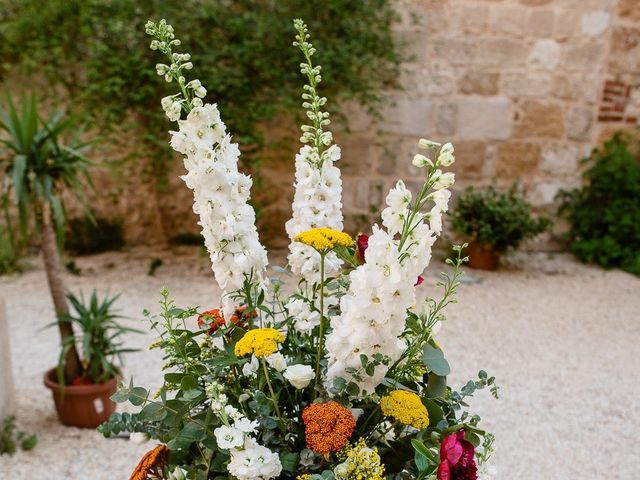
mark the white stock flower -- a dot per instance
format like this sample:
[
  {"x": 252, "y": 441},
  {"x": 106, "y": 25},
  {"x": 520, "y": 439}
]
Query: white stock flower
[
  {"x": 221, "y": 194},
  {"x": 305, "y": 319},
  {"x": 228, "y": 437},
  {"x": 245, "y": 425},
  {"x": 445, "y": 180},
  {"x": 421, "y": 161},
  {"x": 373, "y": 311},
  {"x": 254, "y": 462},
  {"x": 277, "y": 361},
  {"x": 445, "y": 157},
  {"x": 299, "y": 375},
  {"x": 425, "y": 144},
  {"x": 317, "y": 202}
]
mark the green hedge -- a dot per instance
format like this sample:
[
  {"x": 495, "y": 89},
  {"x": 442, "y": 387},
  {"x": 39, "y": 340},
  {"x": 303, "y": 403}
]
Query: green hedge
[{"x": 97, "y": 52}]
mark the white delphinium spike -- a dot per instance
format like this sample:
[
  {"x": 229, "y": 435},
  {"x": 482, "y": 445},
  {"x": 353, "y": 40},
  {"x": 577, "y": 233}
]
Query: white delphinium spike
[
  {"x": 317, "y": 200},
  {"x": 220, "y": 191},
  {"x": 374, "y": 310}
]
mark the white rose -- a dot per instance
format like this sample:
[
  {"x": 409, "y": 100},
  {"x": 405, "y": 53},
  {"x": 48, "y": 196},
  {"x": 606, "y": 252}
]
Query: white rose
[
  {"x": 277, "y": 361},
  {"x": 299, "y": 375},
  {"x": 229, "y": 437}
]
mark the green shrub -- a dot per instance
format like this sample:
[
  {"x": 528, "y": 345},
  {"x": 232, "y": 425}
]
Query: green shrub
[
  {"x": 86, "y": 236},
  {"x": 98, "y": 52},
  {"x": 9, "y": 257},
  {"x": 11, "y": 438},
  {"x": 499, "y": 219},
  {"x": 605, "y": 213}
]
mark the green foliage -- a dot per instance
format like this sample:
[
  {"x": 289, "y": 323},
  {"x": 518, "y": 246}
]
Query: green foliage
[
  {"x": 605, "y": 213},
  {"x": 99, "y": 340},
  {"x": 9, "y": 256},
  {"x": 87, "y": 235},
  {"x": 97, "y": 51},
  {"x": 11, "y": 439},
  {"x": 37, "y": 166},
  {"x": 499, "y": 219}
]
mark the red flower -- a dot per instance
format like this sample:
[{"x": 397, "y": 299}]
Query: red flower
[
  {"x": 362, "y": 242},
  {"x": 456, "y": 459},
  {"x": 419, "y": 281}
]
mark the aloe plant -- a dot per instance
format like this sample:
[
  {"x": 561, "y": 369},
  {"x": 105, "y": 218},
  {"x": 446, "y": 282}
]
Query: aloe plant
[{"x": 38, "y": 169}]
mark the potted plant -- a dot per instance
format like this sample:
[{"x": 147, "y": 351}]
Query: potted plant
[
  {"x": 493, "y": 222},
  {"x": 85, "y": 402}
]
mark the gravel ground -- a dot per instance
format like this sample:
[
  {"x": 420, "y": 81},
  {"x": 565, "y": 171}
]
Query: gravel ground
[{"x": 560, "y": 337}]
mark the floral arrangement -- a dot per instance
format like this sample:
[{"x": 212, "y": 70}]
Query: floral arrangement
[{"x": 337, "y": 377}]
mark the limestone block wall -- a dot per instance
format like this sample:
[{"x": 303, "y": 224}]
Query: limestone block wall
[{"x": 524, "y": 89}]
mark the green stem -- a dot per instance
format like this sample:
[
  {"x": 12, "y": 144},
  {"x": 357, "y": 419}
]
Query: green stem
[
  {"x": 321, "y": 336},
  {"x": 273, "y": 395}
]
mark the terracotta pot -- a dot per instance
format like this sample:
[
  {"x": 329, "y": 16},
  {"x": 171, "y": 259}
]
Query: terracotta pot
[
  {"x": 483, "y": 257},
  {"x": 84, "y": 406}
]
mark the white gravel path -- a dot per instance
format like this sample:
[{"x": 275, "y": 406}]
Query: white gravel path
[{"x": 561, "y": 338}]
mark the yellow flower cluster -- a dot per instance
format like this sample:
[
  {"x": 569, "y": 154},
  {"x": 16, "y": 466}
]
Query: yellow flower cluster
[
  {"x": 324, "y": 239},
  {"x": 262, "y": 342},
  {"x": 360, "y": 463},
  {"x": 304, "y": 476},
  {"x": 406, "y": 407}
]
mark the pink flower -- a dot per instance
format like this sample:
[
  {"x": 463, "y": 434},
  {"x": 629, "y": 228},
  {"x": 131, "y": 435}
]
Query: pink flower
[{"x": 456, "y": 459}]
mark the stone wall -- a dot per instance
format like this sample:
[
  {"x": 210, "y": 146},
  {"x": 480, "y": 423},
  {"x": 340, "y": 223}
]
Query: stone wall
[{"x": 523, "y": 88}]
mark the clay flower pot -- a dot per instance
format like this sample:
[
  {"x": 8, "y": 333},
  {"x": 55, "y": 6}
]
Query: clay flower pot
[
  {"x": 84, "y": 406},
  {"x": 483, "y": 257}
]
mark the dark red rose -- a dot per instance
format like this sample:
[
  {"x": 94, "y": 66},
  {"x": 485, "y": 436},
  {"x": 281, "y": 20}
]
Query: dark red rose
[
  {"x": 457, "y": 460},
  {"x": 363, "y": 243},
  {"x": 419, "y": 280}
]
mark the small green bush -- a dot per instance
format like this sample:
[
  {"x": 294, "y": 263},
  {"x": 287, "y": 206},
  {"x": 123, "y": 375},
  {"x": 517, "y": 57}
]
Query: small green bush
[
  {"x": 499, "y": 219},
  {"x": 11, "y": 438},
  {"x": 9, "y": 257},
  {"x": 605, "y": 213},
  {"x": 86, "y": 236}
]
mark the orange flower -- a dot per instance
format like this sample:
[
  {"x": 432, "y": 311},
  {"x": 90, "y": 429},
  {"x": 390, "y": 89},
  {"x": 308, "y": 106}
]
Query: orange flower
[
  {"x": 328, "y": 426},
  {"x": 151, "y": 465},
  {"x": 216, "y": 319}
]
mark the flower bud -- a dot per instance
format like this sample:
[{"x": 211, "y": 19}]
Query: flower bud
[
  {"x": 421, "y": 161},
  {"x": 444, "y": 181},
  {"x": 425, "y": 144},
  {"x": 446, "y": 159}
]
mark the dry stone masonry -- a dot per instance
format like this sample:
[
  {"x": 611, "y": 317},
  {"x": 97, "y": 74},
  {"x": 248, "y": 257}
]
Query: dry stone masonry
[{"x": 524, "y": 89}]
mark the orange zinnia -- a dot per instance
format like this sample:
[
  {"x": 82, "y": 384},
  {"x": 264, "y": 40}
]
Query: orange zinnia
[
  {"x": 151, "y": 465},
  {"x": 328, "y": 426}
]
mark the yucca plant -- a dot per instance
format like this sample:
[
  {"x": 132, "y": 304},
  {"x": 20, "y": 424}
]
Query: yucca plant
[
  {"x": 99, "y": 338},
  {"x": 38, "y": 169}
]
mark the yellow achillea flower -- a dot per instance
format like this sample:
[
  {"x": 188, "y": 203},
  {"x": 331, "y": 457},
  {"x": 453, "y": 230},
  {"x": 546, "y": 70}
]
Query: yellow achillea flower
[
  {"x": 324, "y": 239},
  {"x": 304, "y": 476},
  {"x": 262, "y": 342},
  {"x": 360, "y": 462},
  {"x": 406, "y": 407}
]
